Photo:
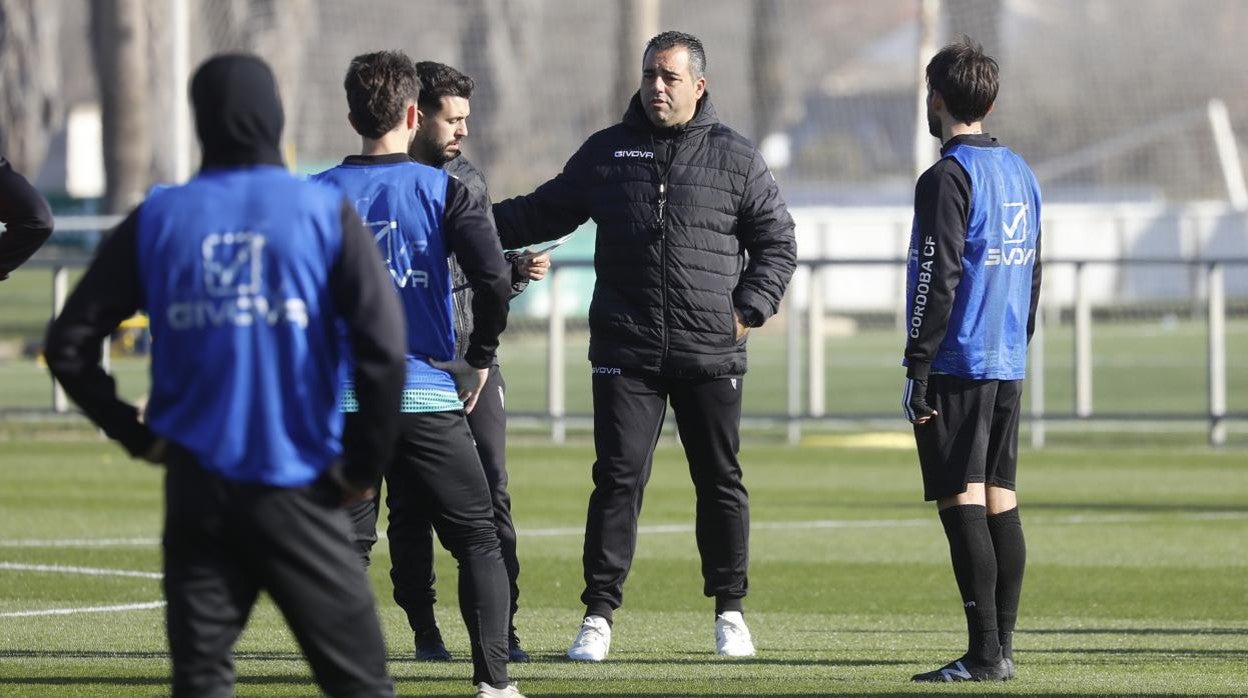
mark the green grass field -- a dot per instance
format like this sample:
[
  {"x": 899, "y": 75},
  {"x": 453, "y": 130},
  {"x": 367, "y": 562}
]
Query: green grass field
[{"x": 1135, "y": 585}]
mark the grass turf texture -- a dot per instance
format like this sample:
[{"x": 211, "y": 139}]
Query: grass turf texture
[{"x": 1135, "y": 579}]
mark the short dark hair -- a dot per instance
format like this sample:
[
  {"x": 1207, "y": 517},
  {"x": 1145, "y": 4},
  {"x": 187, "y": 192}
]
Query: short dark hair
[
  {"x": 966, "y": 79},
  {"x": 438, "y": 80},
  {"x": 689, "y": 42},
  {"x": 379, "y": 86}
]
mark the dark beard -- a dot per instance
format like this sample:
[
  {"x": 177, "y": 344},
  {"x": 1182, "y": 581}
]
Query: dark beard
[
  {"x": 933, "y": 125},
  {"x": 430, "y": 152}
]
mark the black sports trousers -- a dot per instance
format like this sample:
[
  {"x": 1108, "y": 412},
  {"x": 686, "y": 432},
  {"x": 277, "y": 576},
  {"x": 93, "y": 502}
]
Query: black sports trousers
[
  {"x": 488, "y": 423},
  {"x": 437, "y": 477},
  {"x": 224, "y": 542},
  {"x": 628, "y": 417}
]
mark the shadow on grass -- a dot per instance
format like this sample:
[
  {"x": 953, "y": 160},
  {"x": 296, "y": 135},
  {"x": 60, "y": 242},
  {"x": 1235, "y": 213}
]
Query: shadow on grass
[
  {"x": 245, "y": 679},
  {"x": 138, "y": 654},
  {"x": 1159, "y": 652},
  {"x": 1134, "y": 631},
  {"x": 956, "y": 689},
  {"x": 702, "y": 659},
  {"x": 1132, "y": 507},
  {"x": 1036, "y": 631}
]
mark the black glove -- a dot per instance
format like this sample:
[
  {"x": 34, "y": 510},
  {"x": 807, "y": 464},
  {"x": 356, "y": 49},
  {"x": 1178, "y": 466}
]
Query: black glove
[{"x": 914, "y": 401}]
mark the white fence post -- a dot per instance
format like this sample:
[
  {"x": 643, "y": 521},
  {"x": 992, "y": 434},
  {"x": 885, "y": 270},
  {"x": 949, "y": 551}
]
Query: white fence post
[
  {"x": 793, "y": 368},
  {"x": 556, "y": 399},
  {"x": 1217, "y": 354},
  {"x": 1035, "y": 385},
  {"x": 60, "y": 291},
  {"x": 1083, "y": 344},
  {"x": 816, "y": 380}
]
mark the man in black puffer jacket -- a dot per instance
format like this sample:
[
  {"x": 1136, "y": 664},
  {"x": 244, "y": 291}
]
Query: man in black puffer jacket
[{"x": 694, "y": 247}]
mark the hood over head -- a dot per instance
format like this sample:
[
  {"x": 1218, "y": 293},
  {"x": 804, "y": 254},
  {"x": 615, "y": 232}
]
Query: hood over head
[{"x": 238, "y": 112}]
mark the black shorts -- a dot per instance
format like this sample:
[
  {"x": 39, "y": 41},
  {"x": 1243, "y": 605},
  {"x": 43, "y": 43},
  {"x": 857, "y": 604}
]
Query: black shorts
[{"x": 973, "y": 437}]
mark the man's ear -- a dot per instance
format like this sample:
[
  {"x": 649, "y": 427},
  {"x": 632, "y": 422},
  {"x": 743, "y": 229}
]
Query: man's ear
[
  {"x": 938, "y": 102},
  {"x": 990, "y": 108},
  {"x": 351, "y": 120},
  {"x": 412, "y": 119},
  {"x": 420, "y": 118},
  {"x": 699, "y": 88}
]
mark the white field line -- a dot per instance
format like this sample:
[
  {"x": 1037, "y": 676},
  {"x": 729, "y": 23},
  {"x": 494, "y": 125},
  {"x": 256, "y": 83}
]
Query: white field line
[
  {"x": 89, "y": 571},
  {"x": 830, "y": 524},
  {"x": 86, "y": 609},
  {"x": 535, "y": 533},
  {"x": 81, "y": 543}
]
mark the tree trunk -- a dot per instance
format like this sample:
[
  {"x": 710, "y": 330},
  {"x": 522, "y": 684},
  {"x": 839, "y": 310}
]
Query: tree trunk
[
  {"x": 768, "y": 69},
  {"x": 31, "y": 107},
  {"x": 119, "y": 44},
  {"x": 978, "y": 19},
  {"x": 496, "y": 53},
  {"x": 639, "y": 22},
  {"x": 275, "y": 30}
]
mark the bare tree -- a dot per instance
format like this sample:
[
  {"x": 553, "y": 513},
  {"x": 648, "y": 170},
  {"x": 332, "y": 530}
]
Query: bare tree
[
  {"x": 639, "y": 21},
  {"x": 978, "y": 19},
  {"x": 119, "y": 44},
  {"x": 768, "y": 70},
  {"x": 497, "y": 51},
  {"x": 276, "y": 30},
  {"x": 31, "y": 109}
]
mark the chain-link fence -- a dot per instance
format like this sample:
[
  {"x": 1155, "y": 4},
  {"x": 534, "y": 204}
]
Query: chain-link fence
[
  {"x": 1108, "y": 99},
  {"x": 1134, "y": 110}
]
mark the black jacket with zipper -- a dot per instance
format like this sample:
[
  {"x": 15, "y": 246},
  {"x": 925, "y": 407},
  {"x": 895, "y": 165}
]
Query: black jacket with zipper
[
  {"x": 691, "y": 226},
  {"x": 467, "y": 173}
]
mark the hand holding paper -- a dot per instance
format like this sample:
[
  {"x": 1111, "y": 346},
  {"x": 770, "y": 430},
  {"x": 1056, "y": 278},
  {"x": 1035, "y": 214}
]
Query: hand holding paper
[
  {"x": 548, "y": 248},
  {"x": 534, "y": 268}
]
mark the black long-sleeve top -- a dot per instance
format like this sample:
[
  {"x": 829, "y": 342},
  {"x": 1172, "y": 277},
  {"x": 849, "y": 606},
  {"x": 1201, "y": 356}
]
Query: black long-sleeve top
[
  {"x": 111, "y": 291},
  {"x": 463, "y": 170},
  {"x": 468, "y": 228},
  {"x": 26, "y": 216},
  {"x": 942, "y": 205}
]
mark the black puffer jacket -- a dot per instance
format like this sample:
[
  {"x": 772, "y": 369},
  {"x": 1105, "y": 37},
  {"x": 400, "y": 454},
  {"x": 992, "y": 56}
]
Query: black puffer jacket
[{"x": 668, "y": 276}]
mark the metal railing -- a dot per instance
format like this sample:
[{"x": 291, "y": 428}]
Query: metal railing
[
  {"x": 806, "y": 340},
  {"x": 812, "y": 345}
]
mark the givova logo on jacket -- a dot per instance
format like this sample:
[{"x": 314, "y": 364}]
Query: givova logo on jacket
[
  {"x": 635, "y": 154},
  {"x": 233, "y": 273},
  {"x": 1013, "y": 237}
]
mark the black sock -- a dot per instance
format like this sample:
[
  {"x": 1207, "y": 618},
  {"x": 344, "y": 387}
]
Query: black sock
[
  {"x": 975, "y": 569},
  {"x": 724, "y": 605},
  {"x": 1007, "y": 540}
]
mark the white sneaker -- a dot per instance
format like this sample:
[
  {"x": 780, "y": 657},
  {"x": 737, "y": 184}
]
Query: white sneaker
[
  {"x": 593, "y": 640},
  {"x": 732, "y": 637},
  {"x": 485, "y": 690}
]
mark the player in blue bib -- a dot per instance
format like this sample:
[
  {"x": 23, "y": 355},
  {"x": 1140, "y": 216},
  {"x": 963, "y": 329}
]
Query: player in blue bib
[
  {"x": 247, "y": 273},
  {"x": 973, "y": 287},
  {"x": 419, "y": 216}
]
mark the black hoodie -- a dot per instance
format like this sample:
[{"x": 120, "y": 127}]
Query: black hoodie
[{"x": 239, "y": 120}]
